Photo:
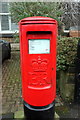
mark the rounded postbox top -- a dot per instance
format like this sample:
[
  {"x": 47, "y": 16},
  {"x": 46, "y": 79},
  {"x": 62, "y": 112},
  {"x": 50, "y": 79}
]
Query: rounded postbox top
[{"x": 38, "y": 19}]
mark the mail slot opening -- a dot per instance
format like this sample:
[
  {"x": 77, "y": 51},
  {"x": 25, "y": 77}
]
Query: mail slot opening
[
  {"x": 39, "y": 32},
  {"x": 39, "y": 46}
]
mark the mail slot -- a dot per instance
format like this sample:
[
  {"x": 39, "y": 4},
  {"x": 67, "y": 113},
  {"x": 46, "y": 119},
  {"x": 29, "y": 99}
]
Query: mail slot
[{"x": 38, "y": 61}]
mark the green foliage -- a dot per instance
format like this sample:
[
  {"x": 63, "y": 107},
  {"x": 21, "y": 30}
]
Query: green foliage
[
  {"x": 20, "y": 10},
  {"x": 66, "y": 52},
  {"x": 16, "y": 37}
]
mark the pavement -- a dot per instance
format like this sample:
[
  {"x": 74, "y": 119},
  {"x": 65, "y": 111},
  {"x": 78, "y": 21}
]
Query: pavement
[
  {"x": 11, "y": 84},
  {"x": 73, "y": 113}
]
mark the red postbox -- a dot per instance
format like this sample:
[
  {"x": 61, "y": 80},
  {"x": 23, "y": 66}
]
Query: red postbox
[{"x": 38, "y": 60}]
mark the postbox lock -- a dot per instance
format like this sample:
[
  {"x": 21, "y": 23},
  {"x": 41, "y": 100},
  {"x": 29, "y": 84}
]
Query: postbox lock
[{"x": 52, "y": 68}]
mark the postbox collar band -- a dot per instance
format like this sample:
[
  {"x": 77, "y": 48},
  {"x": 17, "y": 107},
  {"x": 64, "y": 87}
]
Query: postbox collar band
[{"x": 39, "y": 108}]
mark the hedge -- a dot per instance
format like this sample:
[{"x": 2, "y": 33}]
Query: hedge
[{"x": 66, "y": 52}]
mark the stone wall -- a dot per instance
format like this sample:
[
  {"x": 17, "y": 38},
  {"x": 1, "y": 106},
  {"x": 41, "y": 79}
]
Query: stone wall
[{"x": 67, "y": 84}]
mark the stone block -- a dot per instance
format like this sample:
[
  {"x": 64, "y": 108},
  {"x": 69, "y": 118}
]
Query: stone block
[{"x": 67, "y": 86}]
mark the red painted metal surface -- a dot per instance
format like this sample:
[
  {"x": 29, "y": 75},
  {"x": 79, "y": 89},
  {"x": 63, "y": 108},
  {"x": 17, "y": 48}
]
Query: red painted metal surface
[{"x": 38, "y": 70}]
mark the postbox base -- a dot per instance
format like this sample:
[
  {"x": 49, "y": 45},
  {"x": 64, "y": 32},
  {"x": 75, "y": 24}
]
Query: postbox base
[{"x": 39, "y": 113}]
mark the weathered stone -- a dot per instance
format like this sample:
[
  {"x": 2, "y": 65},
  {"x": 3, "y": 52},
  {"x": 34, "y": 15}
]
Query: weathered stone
[
  {"x": 67, "y": 86},
  {"x": 19, "y": 114},
  {"x": 71, "y": 78},
  {"x": 71, "y": 69}
]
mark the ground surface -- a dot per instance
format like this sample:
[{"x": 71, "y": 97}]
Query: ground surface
[
  {"x": 11, "y": 91},
  {"x": 11, "y": 84}
]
